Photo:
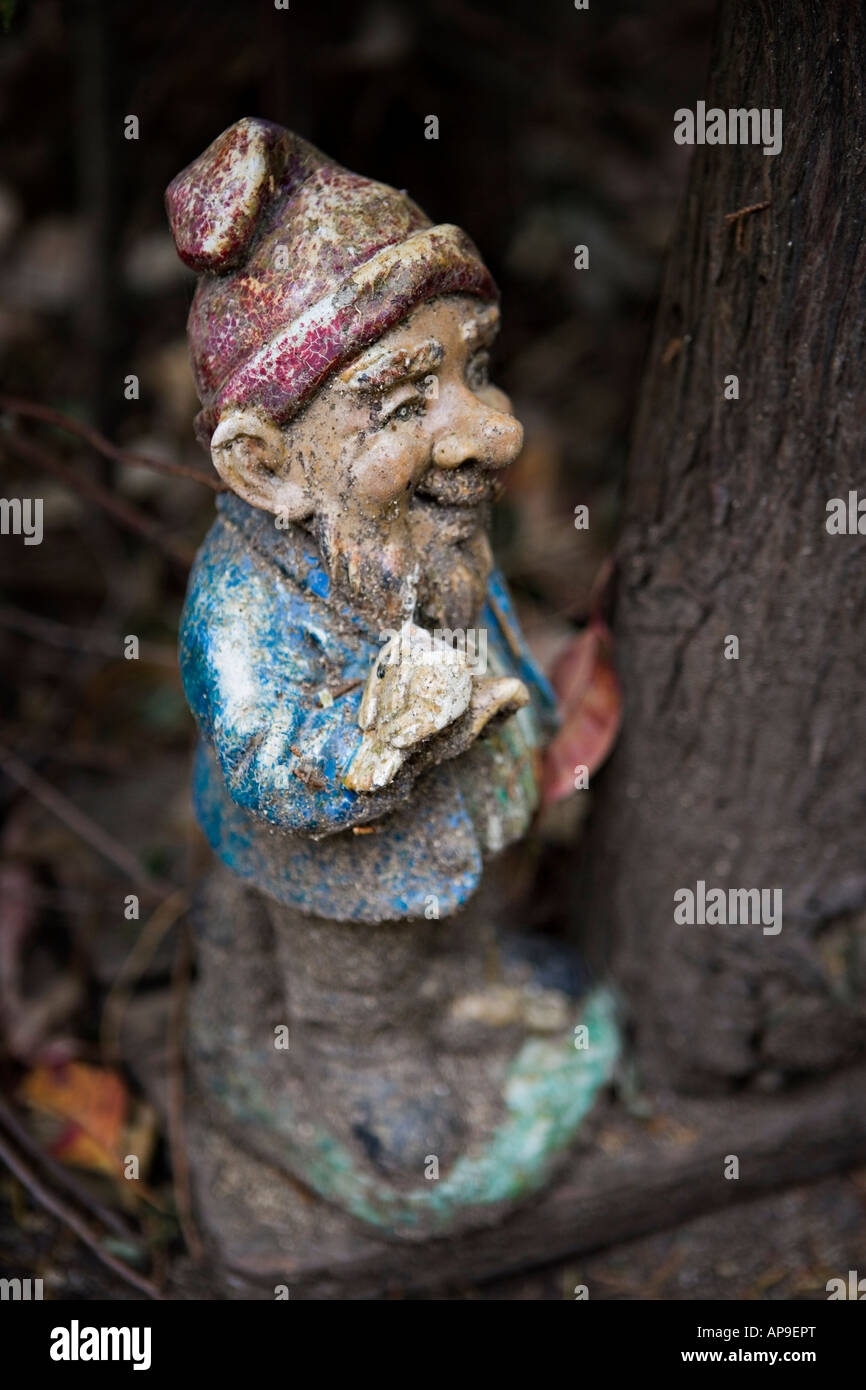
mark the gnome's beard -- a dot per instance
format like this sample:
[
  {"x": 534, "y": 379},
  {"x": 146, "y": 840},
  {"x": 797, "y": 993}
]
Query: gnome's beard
[
  {"x": 456, "y": 561},
  {"x": 432, "y": 566},
  {"x": 374, "y": 568}
]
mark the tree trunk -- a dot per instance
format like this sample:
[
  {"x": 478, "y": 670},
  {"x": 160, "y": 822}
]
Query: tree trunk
[{"x": 751, "y": 772}]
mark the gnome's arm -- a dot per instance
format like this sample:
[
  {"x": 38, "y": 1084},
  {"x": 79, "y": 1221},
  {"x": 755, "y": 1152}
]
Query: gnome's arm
[
  {"x": 252, "y": 678},
  {"x": 283, "y": 761},
  {"x": 252, "y": 675}
]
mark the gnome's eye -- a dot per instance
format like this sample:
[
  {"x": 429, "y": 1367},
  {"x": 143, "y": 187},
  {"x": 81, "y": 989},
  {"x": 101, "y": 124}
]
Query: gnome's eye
[
  {"x": 405, "y": 410},
  {"x": 478, "y": 371}
]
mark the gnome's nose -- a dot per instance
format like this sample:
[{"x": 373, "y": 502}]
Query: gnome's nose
[{"x": 487, "y": 437}]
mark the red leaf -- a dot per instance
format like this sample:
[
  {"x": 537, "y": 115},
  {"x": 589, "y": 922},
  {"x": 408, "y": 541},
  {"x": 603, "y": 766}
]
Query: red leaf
[{"x": 590, "y": 705}]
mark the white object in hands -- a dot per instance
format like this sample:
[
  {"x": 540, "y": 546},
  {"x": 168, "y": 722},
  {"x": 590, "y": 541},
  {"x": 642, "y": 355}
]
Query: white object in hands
[{"x": 417, "y": 687}]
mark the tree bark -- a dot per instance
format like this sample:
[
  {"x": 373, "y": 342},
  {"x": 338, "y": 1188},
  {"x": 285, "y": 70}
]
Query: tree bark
[{"x": 750, "y": 772}]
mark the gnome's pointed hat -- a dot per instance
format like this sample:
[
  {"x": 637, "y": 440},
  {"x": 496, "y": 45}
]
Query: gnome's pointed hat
[{"x": 303, "y": 264}]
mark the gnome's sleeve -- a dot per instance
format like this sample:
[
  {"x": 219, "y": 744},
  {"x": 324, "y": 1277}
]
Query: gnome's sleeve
[{"x": 252, "y": 678}]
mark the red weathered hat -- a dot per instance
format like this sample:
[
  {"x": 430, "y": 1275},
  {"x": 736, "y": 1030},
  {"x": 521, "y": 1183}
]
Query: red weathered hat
[{"x": 304, "y": 264}]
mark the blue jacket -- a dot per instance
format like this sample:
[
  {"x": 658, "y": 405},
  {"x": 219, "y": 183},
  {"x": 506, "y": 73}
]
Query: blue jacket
[{"x": 265, "y": 651}]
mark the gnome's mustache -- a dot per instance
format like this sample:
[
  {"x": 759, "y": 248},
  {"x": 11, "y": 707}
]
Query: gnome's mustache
[{"x": 465, "y": 486}]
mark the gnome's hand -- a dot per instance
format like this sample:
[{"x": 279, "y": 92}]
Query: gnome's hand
[
  {"x": 494, "y": 699},
  {"x": 419, "y": 687}
]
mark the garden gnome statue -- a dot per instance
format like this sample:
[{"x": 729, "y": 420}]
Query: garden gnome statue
[{"x": 364, "y": 1025}]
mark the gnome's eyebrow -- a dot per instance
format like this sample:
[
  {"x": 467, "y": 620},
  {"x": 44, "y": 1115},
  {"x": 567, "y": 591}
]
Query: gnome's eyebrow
[
  {"x": 480, "y": 330},
  {"x": 384, "y": 367}
]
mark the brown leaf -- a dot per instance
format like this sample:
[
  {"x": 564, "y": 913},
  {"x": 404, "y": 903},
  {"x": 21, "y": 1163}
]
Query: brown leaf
[
  {"x": 590, "y": 704},
  {"x": 94, "y": 1102}
]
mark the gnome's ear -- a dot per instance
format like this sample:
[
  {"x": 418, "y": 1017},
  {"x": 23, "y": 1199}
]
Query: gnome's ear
[
  {"x": 249, "y": 452},
  {"x": 215, "y": 203}
]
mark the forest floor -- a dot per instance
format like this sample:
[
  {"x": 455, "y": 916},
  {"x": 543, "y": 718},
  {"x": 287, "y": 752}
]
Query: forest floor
[{"x": 782, "y": 1247}]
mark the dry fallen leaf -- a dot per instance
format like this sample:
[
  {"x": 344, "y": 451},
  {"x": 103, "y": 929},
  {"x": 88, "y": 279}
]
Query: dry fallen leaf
[
  {"x": 590, "y": 704},
  {"x": 93, "y": 1101}
]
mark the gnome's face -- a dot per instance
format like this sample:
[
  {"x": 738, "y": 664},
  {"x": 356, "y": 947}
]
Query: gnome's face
[
  {"x": 392, "y": 465},
  {"x": 388, "y": 453}
]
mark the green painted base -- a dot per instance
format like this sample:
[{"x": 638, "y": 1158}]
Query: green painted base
[{"x": 549, "y": 1089}]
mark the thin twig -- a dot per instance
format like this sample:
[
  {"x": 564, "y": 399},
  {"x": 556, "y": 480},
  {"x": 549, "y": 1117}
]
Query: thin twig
[
  {"x": 77, "y": 752},
  {"x": 60, "y": 1176},
  {"x": 507, "y": 627},
  {"x": 673, "y": 349},
  {"x": 736, "y": 218},
  {"x": 81, "y": 824},
  {"x": 79, "y": 639},
  {"x": 19, "y": 1166},
  {"x": 600, "y": 585},
  {"x": 122, "y": 511},
  {"x": 344, "y": 687},
  {"x": 161, "y": 920},
  {"x": 743, "y": 212},
  {"x": 32, "y": 410},
  {"x": 176, "y": 1130}
]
